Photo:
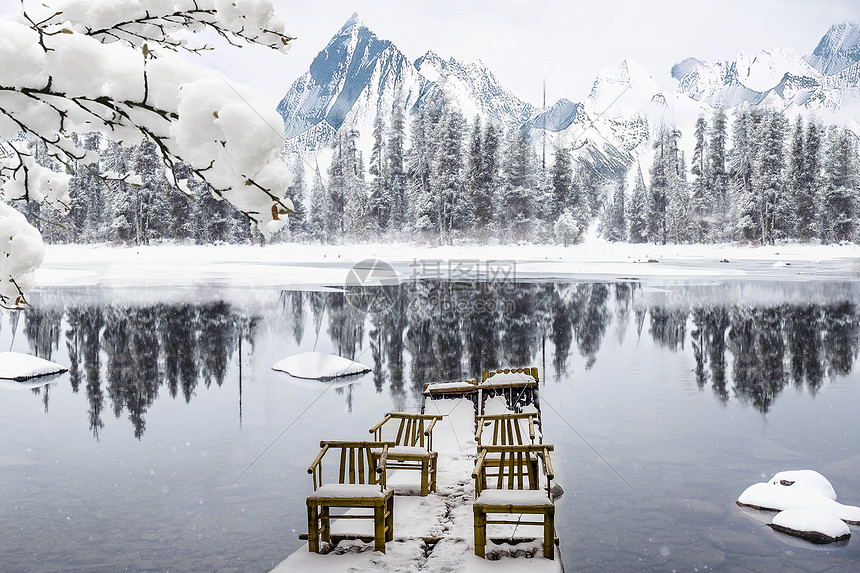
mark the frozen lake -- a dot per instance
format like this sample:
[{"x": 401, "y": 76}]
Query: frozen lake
[{"x": 172, "y": 445}]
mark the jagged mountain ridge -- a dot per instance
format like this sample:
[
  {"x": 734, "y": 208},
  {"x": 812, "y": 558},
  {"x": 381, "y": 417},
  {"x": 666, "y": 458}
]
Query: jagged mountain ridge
[
  {"x": 825, "y": 80},
  {"x": 359, "y": 76}
]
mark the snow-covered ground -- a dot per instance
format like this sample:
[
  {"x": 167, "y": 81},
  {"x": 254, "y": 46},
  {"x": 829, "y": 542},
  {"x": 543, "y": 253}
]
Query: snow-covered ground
[{"x": 303, "y": 266}]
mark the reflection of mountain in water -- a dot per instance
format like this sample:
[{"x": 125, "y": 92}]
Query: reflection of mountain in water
[{"x": 123, "y": 356}]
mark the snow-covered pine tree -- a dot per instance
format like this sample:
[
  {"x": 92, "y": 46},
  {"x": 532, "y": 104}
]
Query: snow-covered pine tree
[
  {"x": 616, "y": 221},
  {"x": 775, "y": 211},
  {"x": 561, "y": 176},
  {"x": 115, "y": 160},
  {"x": 637, "y": 211},
  {"x": 578, "y": 202},
  {"x": 679, "y": 207},
  {"x": 87, "y": 192},
  {"x": 484, "y": 201},
  {"x": 658, "y": 197},
  {"x": 745, "y": 212},
  {"x": 718, "y": 185},
  {"x": 395, "y": 163},
  {"x": 517, "y": 202},
  {"x": 380, "y": 186},
  {"x": 840, "y": 195},
  {"x": 357, "y": 215},
  {"x": 297, "y": 193},
  {"x": 454, "y": 204},
  {"x": 336, "y": 192},
  {"x": 317, "y": 217},
  {"x": 566, "y": 229},
  {"x": 422, "y": 213},
  {"x": 801, "y": 187},
  {"x": 180, "y": 226},
  {"x": 702, "y": 193},
  {"x": 807, "y": 223},
  {"x": 475, "y": 168},
  {"x": 151, "y": 210}
]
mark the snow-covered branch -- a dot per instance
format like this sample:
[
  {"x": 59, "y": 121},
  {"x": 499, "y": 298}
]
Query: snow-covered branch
[{"x": 80, "y": 66}]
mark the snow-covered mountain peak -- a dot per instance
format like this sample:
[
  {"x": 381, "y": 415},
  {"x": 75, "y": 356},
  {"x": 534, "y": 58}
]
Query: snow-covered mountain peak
[
  {"x": 431, "y": 65},
  {"x": 766, "y": 69},
  {"x": 621, "y": 89},
  {"x": 353, "y": 22},
  {"x": 838, "y": 49}
]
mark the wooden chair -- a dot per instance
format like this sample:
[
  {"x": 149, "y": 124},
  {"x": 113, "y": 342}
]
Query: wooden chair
[
  {"x": 514, "y": 490},
  {"x": 413, "y": 444},
  {"x": 360, "y": 484}
]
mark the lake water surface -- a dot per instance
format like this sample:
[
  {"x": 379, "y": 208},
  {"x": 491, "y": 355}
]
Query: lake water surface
[{"x": 171, "y": 444}]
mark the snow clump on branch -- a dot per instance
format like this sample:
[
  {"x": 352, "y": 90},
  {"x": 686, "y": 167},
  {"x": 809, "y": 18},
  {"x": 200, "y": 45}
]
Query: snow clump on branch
[{"x": 80, "y": 66}]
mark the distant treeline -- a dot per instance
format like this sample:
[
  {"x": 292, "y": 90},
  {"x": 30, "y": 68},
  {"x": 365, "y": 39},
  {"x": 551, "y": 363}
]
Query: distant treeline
[{"x": 758, "y": 178}]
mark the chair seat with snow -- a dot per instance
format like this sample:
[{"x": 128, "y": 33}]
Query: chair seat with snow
[
  {"x": 360, "y": 484},
  {"x": 509, "y": 486},
  {"x": 412, "y": 435}
]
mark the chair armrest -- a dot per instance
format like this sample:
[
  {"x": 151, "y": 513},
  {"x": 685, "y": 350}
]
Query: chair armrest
[
  {"x": 429, "y": 429},
  {"x": 318, "y": 459},
  {"x": 383, "y": 460},
  {"x": 479, "y": 463},
  {"x": 547, "y": 465},
  {"x": 380, "y": 424}
]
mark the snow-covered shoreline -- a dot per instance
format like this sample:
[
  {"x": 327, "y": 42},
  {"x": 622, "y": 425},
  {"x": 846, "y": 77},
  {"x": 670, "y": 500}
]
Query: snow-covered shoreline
[{"x": 298, "y": 265}]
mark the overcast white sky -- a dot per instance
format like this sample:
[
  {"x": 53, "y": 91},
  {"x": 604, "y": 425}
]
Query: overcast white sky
[{"x": 524, "y": 41}]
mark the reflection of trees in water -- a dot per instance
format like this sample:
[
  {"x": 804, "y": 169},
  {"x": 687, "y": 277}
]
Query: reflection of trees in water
[
  {"x": 454, "y": 330},
  {"x": 756, "y": 342},
  {"x": 121, "y": 355},
  {"x": 710, "y": 327},
  {"x": 128, "y": 352}
]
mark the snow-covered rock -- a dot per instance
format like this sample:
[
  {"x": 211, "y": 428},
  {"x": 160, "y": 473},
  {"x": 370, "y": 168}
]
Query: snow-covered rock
[
  {"x": 807, "y": 504},
  {"x": 18, "y": 366},
  {"x": 319, "y": 366},
  {"x": 814, "y": 526}
]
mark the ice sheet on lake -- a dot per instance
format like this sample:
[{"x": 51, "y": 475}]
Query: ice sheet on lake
[
  {"x": 319, "y": 366},
  {"x": 18, "y": 366}
]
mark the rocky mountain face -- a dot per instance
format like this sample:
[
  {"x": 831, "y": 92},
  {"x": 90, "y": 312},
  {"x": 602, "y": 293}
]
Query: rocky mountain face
[{"x": 359, "y": 76}]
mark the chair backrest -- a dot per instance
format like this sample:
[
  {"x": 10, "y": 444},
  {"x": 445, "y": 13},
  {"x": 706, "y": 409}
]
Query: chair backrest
[
  {"x": 507, "y": 429},
  {"x": 515, "y": 468},
  {"x": 406, "y": 429},
  {"x": 531, "y": 372},
  {"x": 359, "y": 462}
]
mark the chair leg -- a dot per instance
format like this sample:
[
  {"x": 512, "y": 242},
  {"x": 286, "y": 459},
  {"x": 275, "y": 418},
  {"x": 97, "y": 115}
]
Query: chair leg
[
  {"x": 480, "y": 532},
  {"x": 549, "y": 535},
  {"x": 379, "y": 527},
  {"x": 434, "y": 458},
  {"x": 425, "y": 476},
  {"x": 389, "y": 519},
  {"x": 325, "y": 523},
  {"x": 313, "y": 528}
]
